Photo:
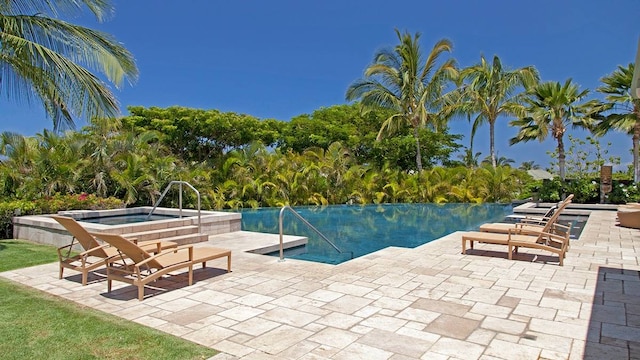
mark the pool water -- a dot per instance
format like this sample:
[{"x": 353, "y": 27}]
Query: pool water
[
  {"x": 362, "y": 230},
  {"x": 126, "y": 219}
]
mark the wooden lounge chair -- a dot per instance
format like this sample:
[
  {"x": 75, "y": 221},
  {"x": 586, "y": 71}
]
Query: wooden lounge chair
[
  {"x": 94, "y": 254},
  {"x": 553, "y": 238},
  {"x": 533, "y": 224},
  {"x": 145, "y": 268}
]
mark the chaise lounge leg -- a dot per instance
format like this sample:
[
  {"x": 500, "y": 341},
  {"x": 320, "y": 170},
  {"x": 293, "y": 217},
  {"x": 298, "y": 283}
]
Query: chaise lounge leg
[
  {"x": 229, "y": 263},
  {"x": 61, "y": 270},
  {"x": 140, "y": 292}
]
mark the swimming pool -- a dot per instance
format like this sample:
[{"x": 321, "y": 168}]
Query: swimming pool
[
  {"x": 365, "y": 229},
  {"x": 127, "y": 219}
]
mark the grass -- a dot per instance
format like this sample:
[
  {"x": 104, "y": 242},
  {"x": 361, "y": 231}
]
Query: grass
[{"x": 37, "y": 325}]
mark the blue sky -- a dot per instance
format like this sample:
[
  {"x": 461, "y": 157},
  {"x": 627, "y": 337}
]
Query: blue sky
[{"x": 282, "y": 58}]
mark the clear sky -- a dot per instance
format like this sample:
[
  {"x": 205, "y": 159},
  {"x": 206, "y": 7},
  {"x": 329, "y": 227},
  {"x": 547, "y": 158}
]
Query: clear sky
[{"x": 282, "y": 58}]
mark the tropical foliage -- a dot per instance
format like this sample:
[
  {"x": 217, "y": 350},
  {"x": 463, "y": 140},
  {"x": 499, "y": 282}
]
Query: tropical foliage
[
  {"x": 51, "y": 60},
  {"x": 128, "y": 160},
  {"x": 622, "y": 110},
  {"x": 551, "y": 108},
  {"x": 490, "y": 91},
  {"x": 402, "y": 81}
]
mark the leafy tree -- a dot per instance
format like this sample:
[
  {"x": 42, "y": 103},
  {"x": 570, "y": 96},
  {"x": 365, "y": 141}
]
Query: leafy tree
[
  {"x": 399, "y": 80},
  {"x": 400, "y": 151},
  {"x": 202, "y": 135},
  {"x": 623, "y": 110},
  {"x": 51, "y": 60},
  {"x": 491, "y": 92},
  {"x": 584, "y": 158},
  {"x": 552, "y": 107}
]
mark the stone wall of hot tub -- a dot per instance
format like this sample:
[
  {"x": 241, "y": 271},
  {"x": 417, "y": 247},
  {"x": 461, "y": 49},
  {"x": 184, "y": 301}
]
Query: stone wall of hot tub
[{"x": 43, "y": 229}]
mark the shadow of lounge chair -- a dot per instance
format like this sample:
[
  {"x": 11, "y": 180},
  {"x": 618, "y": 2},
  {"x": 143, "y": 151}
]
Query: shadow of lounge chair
[
  {"x": 144, "y": 268},
  {"x": 94, "y": 254},
  {"x": 534, "y": 224},
  {"x": 552, "y": 237}
]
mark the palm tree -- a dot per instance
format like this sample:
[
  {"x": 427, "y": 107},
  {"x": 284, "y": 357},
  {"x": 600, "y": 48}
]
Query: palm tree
[
  {"x": 469, "y": 158},
  {"x": 399, "y": 80},
  {"x": 551, "y": 108},
  {"x": 529, "y": 165},
  {"x": 625, "y": 110},
  {"x": 50, "y": 59},
  {"x": 499, "y": 161},
  {"x": 491, "y": 92}
]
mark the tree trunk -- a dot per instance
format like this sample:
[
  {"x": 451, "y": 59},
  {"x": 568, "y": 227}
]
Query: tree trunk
[
  {"x": 418, "y": 155},
  {"x": 492, "y": 143},
  {"x": 561, "y": 156}
]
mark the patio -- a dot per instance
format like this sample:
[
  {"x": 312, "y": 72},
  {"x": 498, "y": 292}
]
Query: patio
[{"x": 425, "y": 303}]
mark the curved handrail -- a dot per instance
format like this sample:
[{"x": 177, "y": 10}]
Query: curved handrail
[
  {"x": 304, "y": 221},
  {"x": 166, "y": 190}
]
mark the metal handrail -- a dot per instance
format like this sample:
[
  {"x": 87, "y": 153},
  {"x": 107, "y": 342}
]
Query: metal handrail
[
  {"x": 304, "y": 221},
  {"x": 166, "y": 190}
]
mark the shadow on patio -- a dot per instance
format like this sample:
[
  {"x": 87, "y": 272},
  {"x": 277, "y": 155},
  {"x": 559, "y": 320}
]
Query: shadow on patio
[{"x": 614, "y": 326}]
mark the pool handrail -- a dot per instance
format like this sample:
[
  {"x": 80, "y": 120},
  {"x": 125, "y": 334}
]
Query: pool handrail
[
  {"x": 304, "y": 221},
  {"x": 166, "y": 190}
]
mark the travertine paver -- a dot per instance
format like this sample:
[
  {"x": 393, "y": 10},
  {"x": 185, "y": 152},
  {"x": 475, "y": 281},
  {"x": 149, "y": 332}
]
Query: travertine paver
[{"x": 426, "y": 303}]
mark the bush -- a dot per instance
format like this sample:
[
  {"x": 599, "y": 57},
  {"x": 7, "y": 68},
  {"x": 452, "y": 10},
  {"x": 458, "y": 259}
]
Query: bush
[
  {"x": 51, "y": 205},
  {"x": 585, "y": 191},
  {"x": 622, "y": 194}
]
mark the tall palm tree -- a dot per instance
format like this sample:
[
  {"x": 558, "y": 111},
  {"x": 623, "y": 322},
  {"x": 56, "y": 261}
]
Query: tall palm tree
[
  {"x": 401, "y": 80},
  {"x": 551, "y": 108},
  {"x": 491, "y": 91},
  {"x": 624, "y": 110},
  {"x": 51, "y": 60}
]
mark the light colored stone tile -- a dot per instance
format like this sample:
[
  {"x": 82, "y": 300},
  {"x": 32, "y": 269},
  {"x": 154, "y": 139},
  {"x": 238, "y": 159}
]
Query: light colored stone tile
[
  {"x": 395, "y": 343},
  {"x": 457, "y": 349},
  {"x": 491, "y": 310},
  {"x": 508, "y": 350},
  {"x": 253, "y": 299},
  {"x": 241, "y": 313},
  {"x": 334, "y": 337},
  {"x": 383, "y": 322},
  {"x": 358, "y": 351},
  {"x": 503, "y": 325},
  {"x": 339, "y": 320},
  {"x": 289, "y": 316}
]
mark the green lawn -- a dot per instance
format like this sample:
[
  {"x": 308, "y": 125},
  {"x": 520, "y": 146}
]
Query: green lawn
[{"x": 35, "y": 325}]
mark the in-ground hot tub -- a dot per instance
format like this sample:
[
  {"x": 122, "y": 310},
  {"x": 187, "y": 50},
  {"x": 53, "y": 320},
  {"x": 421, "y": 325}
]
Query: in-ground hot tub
[{"x": 45, "y": 230}]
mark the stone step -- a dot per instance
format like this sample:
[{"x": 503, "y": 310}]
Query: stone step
[
  {"x": 163, "y": 233},
  {"x": 187, "y": 238}
]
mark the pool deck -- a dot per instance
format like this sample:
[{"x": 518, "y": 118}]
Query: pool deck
[{"x": 430, "y": 302}]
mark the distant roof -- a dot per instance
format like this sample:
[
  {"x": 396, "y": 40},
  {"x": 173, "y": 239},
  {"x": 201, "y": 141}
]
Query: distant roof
[{"x": 540, "y": 174}]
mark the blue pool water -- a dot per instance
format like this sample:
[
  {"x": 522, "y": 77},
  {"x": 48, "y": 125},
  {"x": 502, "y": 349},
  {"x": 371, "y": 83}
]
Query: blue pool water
[
  {"x": 364, "y": 229},
  {"x": 126, "y": 219}
]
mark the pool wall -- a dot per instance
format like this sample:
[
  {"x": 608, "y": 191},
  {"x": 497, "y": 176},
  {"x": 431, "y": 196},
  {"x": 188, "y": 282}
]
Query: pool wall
[{"x": 45, "y": 230}]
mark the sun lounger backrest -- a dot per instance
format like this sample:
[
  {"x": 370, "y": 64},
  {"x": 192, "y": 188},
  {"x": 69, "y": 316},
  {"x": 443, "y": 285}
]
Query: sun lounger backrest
[
  {"x": 129, "y": 249},
  {"x": 552, "y": 220},
  {"x": 86, "y": 240}
]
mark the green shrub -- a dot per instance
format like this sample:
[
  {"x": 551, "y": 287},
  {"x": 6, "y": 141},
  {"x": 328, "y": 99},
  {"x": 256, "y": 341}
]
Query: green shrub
[
  {"x": 51, "y": 205},
  {"x": 622, "y": 194},
  {"x": 551, "y": 190},
  {"x": 584, "y": 190}
]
